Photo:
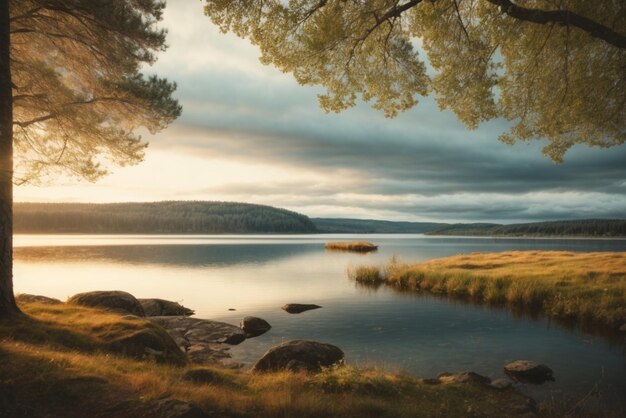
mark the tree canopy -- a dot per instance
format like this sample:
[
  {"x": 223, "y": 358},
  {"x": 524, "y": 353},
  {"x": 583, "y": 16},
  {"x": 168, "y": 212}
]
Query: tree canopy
[
  {"x": 72, "y": 95},
  {"x": 556, "y": 69},
  {"x": 78, "y": 92}
]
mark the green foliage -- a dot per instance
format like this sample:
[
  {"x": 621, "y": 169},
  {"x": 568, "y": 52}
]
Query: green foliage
[
  {"x": 157, "y": 217},
  {"x": 79, "y": 93},
  {"x": 554, "y": 70}
]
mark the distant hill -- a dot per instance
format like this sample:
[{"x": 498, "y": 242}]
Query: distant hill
[
  {"x": 579, "y": 228},
  {"x": 200, "y": 217},
  {"x": 371, "y": 226},
  {"x": 170, "y": 217}
]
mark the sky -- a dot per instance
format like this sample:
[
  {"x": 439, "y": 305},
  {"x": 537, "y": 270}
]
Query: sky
[{"x": 250, "y": 133}]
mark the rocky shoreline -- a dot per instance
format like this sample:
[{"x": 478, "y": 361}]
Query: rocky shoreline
[{"x": 207, "y": 342}]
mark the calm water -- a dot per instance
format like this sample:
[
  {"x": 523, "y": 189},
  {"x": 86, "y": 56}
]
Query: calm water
[{"x": 256, "y": 275}]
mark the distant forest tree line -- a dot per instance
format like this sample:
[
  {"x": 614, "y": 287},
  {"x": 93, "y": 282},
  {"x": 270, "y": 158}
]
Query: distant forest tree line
[
  {"x": 580, "y": 228},
  {"x": 201, "y": 217},
  {"x": 173, "y": 217}
]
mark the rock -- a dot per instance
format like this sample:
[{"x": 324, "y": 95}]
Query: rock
[
  {"x": 295, "y": 308},
  {"x": 501, "y": 384},
  {"x": 527, "y": 371},
  {"x": 300, "y": 355},
  {"x": 110, "y": 299},
  {"x": 201, "y": 376},
  {"x": 196, "y": 330},
  {"x": 253, "y": 326},
  {"x": 162, "y": 307},
  {"x": 26, "y": 298},
  {"x": 203, "y": 340},
  {"x": 149, "y": 342},
  {"x": 173, "y": 408},
  {"x": 463, "y": 377},
  {"x": 623, "y": 328}
]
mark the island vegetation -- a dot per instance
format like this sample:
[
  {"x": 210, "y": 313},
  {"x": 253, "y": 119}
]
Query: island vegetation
[
  {"x": 57, "y": 360},
  {"x": 352, "y": 246},
  {"x": 175, "y": 217},
  {"x": 579, "y": 286}
]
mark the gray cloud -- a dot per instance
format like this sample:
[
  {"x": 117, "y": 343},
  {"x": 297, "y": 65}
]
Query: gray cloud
[{"x": 422, "y": 164}]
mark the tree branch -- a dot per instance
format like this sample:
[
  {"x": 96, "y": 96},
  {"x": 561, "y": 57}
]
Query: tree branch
[{"x": 562, "y": 17}]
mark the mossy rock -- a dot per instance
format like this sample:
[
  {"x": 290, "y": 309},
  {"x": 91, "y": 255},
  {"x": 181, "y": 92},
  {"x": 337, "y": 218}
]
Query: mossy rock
[{"x": 109, "y": 299}]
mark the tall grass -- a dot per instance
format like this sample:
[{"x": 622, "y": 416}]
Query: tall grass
[{"x": 580, "y": 286}]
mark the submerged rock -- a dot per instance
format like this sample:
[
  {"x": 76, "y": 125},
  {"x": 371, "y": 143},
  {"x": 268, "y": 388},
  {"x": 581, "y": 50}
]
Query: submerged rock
[
  {"x": 162, "y": 307},
  {"x": 299, "y": 355},
  {"x": 27, "y": 298},
  {"x": 109, "y": 299},
  {"x": 463, "y": 377},
  {"x": 295, "y": 308},
  {"x": 253, "y": 326},
  {"x": 527, "y": 371}
]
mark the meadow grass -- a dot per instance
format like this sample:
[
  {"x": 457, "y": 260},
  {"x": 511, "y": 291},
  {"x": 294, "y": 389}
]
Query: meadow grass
[
  {"x": 355, "y": 246},
  {"x": 68, "y": 372},
  {"x": 580, "y": 286}
]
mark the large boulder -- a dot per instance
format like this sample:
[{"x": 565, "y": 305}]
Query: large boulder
[
  {"x": 527, "y": 371},
  {"x": 253, "y": 326},
  {"x": 110, "y": 299},
  {"x": 26, "y": 298},
  {"x": 295, "y": 308},
  {"x": 162, "y": 307},
  {"x": 299, "y": 355}
]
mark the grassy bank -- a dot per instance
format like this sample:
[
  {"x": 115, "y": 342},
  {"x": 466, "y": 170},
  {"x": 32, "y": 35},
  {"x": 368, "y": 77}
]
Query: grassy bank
[
  {"x": 57, "y": 361},
  {"x": 581, "y": 286},
  {"x": 355, "y": 246}
]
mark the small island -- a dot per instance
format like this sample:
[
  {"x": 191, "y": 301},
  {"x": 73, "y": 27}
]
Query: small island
[{"x": 352, "y": 246}]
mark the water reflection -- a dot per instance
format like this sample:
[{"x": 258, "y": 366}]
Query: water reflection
[
  {"x": 420, "y": 334},
  {"x": 189, "y": 255}
]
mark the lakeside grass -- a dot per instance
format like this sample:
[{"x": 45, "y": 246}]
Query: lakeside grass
[
  {"x": 63, "y": 367},
  {"x": 354, "y": 246},
  {"x": 579, "y": 286}
]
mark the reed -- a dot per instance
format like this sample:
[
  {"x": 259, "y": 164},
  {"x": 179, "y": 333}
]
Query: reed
[{"x": 579, "y": 286}]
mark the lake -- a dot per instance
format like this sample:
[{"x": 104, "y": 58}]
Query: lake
[{"x": 256, "y": 275}]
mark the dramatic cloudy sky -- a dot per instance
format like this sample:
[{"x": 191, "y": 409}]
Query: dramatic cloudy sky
[{"x": 250, "y": 133}]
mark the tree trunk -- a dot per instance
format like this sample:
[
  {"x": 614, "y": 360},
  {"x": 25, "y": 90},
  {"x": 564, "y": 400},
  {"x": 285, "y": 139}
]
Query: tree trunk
[{"x": 7, "y": 300}]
